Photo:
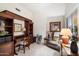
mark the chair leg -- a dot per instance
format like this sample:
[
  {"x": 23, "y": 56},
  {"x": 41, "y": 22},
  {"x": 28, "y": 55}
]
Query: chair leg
[
  {"x": 24, "y": 48},
  {"x": 19, "y": 48},
  {"x": 28, "y": 47},
  {"x": 15, "y": 51}
]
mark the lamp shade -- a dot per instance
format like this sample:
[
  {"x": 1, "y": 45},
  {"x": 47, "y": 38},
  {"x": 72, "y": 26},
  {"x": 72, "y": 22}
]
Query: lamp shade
[{"x": 66, "y": 32}]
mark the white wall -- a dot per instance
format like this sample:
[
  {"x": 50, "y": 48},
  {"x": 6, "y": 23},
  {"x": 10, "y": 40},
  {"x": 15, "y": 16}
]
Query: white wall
[
  {"x": 70, "y": 9},
  {"x": 40, "y": 25},
  {"x": 41, "y": 19},
  {"x": 55, "y": 19}
]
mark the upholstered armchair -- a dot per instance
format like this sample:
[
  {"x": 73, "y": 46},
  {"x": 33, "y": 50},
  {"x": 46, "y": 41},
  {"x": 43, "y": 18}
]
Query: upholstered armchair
[{"x": 52, "y": 41}]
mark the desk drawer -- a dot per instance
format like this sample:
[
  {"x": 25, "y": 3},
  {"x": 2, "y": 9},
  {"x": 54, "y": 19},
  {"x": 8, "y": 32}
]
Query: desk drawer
[
  {"x": 8, "y": 39},
  {"x": 2, "y": 40}
]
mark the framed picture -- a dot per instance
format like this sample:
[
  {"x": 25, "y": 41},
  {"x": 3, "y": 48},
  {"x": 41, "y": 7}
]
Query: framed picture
[
  {"x": 17, "y": 27},
  {"x": 55, "y": 26}
]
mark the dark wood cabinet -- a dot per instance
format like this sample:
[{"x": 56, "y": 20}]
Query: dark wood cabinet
[
  {"x": 29, "y": 29},
  {"x": 6, "y": 41},
  {"x": 8, "y": 17}
]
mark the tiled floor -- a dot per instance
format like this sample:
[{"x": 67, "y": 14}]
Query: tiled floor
[{"x": 38, "y": 50}]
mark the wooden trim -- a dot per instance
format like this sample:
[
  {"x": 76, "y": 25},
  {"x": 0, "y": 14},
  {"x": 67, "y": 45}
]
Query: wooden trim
[{"x": 12, "y": 15}]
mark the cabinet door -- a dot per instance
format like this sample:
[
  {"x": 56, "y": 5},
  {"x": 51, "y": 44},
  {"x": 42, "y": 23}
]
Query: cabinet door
[
  {"x": 7, "y": 49},
  {"x": 8, "y": 39},
  {"x": 2, "y": 40}
]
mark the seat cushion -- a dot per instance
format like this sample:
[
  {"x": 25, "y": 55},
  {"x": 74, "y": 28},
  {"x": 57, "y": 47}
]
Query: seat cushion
[
  {"x": 54, "y": 45},
  {"x": 54, "y": 42}
]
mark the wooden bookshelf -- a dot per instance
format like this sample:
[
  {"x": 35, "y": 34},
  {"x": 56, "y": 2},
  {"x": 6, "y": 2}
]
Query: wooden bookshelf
[{"x": 8, "y": 18}]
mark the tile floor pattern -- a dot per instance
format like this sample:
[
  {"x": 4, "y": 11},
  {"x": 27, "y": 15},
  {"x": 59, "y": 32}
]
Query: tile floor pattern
[{"x": 38, "y": 50}]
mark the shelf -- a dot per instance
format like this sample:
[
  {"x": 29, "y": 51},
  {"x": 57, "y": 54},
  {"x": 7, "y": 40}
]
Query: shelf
[
  {"x": 5, "y": 35},
  {"x": 8, "y": 26}
]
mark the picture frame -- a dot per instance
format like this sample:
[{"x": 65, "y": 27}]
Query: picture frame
[
  {"x": 17, "y": 27},
  {"x": 55, "y": 26}
]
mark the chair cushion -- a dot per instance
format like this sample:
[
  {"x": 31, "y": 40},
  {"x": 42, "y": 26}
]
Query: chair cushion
[{"x": 25, "y": 43}]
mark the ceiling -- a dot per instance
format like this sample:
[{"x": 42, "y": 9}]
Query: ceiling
[{"x": 46, "y": 9}]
